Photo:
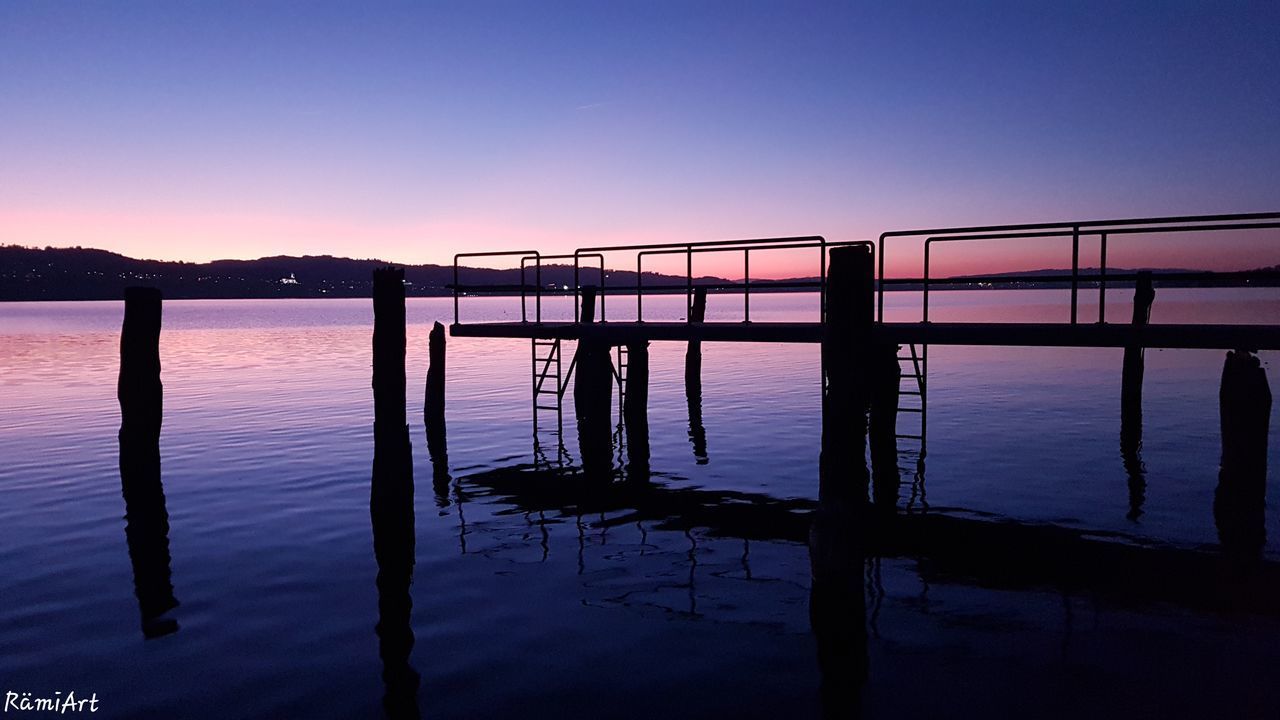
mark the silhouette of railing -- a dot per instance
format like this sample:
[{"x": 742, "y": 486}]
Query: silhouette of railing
[
  {"x": 1075, "y": 230},
  {"x": 756, "y": 245}
]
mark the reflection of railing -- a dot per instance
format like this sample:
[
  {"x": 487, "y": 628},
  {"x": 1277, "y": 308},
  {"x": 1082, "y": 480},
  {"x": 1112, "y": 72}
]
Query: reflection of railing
[{"x": 1074, "y": 230}]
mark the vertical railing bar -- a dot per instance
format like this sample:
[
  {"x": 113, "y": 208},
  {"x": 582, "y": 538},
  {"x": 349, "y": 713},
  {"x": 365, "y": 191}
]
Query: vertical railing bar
[
  {"x": 455, "y": 290},
  {"x": 925, "y": 300},
  {"x": 688, "y": 275},
  {"x": 639, "y": 289},
  {"x": 1075, "y": 269},
  {"x": 1102, "y": 279},
  {"x": 576, "y": 283},
  {"x": 602, "y": 292},
  {"x": 746, "y": 285},
  {"x": 524, "y": 310}
]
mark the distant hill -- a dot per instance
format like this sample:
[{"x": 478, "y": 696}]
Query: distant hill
[{"x": 89, "y": 274}]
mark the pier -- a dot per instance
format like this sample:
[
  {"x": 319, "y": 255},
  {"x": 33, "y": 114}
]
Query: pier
[{"x": 853, "y": 341}]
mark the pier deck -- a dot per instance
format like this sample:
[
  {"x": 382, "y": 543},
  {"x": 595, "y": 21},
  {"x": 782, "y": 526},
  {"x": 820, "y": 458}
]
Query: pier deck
[{"x": 1217, "y": 337}]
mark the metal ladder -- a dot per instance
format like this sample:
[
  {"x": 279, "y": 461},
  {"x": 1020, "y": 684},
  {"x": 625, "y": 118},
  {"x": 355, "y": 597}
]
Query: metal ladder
[
  {"x": 546, "y": 368},
  {"x": 917, "y": 371},
  {"x": 620, "y": 374}
]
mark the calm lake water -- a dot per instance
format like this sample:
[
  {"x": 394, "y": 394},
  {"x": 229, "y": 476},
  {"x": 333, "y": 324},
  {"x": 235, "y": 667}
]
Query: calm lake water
[{"x": 546, "y": 608}]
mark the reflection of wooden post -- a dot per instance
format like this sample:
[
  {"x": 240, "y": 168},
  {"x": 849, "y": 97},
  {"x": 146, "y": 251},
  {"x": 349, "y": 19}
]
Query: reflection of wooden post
[
  {"x": 635, "y": 409},
  {"x": 593, "y": 395},
  {"x": 847, "y": 364},
  {"x": 139, "y": 389},
  {"x": 388, "y": 348},
  {"x": 1245, "y": 415}
]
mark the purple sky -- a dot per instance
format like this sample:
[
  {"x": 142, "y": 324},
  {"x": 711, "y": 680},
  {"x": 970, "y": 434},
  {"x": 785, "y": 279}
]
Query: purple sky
[{"x": 410, "y": 131}]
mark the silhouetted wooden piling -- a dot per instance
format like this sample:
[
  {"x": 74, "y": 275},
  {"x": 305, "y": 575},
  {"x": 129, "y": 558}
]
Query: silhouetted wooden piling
[
  {"x": 1245, "y": 415},
  {"x": 886, "y": 378},
  {"x": 636, "y": 410},
  {"x": 1131, "y": 376},
  {"x": 141, "y": 396},
  {"x": 388, "y": 348},
  {"x": 139, "y": 389},
  {"x": 693, "y": 379},
  {"x": 847, "y": 365},
  {"x": 593, "y": 395},
  {"x": 433, "y": 406}
]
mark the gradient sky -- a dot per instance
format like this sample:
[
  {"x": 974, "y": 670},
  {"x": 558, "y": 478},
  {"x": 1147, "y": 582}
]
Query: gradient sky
[{"x": 201, "y": 130}]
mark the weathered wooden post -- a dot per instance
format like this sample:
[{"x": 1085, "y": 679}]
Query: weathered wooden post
[
  {"x": 886, "y": 376},
  {"x": 1131, "y": 398},
  {"x": 593, "y": 394},
  {"x": 1245, "y": 416},
  {"x": 140, "y": 393},
  {"x": 636, "y": 410},
  {"x": 388, "y": 348},
  {"x": 693, "y": 379},
  {"x": 433, "y": 408},
  {"x": 139, "y": 389},
  {"x": 847, "y": 364},
  {"x": 1131, "y": 377},
  {"x": 391, "y": 494}
]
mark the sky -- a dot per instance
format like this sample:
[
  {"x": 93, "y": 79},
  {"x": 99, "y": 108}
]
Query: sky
[{"x": 411, "y": 131}]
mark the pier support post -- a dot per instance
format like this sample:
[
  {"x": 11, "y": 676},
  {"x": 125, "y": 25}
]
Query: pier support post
[
  {"x": 636, "y": 410},
  {"x": 846, "y": 362},
  {"x": 693, "y": 379},
  {"x": 593, "y": 395},
  {"x": 1245, "y": 415},
  {"x": 433, "y": 408}
]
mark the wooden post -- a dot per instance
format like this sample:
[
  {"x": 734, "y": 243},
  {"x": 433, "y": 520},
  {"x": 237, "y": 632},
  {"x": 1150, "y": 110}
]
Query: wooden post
[
  {"x": 847, "y": 364},
  {"x": 636, "y": 410},
  {"x": 1245, "y": 415},
  {"x": 593, "y": 395},
  {"x": 1131, "y": 399},
  {"x": 887, "y": 380},
  {"x": 388, "y": 348},
  {"x": 693, "y": 379},
  {"x": 139, "y": 389},
  {"x": 141, "y": 396},
  {"x": 391, "y": 491},
  {"x": 1131, "y": 378},
  {"x": 433, "y": 407},
  {"x": 588, "y": 313}
]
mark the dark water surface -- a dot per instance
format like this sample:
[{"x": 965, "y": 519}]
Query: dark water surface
[{"x": 531, "y": 598}]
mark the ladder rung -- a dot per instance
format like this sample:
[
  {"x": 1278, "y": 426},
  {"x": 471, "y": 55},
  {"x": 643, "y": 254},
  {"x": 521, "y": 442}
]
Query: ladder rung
[
  {"x": 910, "y": 437},
  {"x": 547, "y": 407},
  {"x": 909, "y": 392},
  {"x": 914, "y": 410}
]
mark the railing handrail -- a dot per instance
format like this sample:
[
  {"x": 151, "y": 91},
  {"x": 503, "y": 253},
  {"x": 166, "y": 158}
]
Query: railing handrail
[{"x": 1072, "y": 229}]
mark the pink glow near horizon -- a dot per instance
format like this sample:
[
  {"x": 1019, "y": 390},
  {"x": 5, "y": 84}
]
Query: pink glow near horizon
[{"x": 201, "y": 237}]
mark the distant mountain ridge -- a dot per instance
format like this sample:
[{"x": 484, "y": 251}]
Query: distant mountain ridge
[{"x": 92, "y": 274}]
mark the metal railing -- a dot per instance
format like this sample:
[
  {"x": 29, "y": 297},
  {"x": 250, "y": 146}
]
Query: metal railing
[
  {"x": 1074, "y": 230},
  {"x": 747, "y": 286}
]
